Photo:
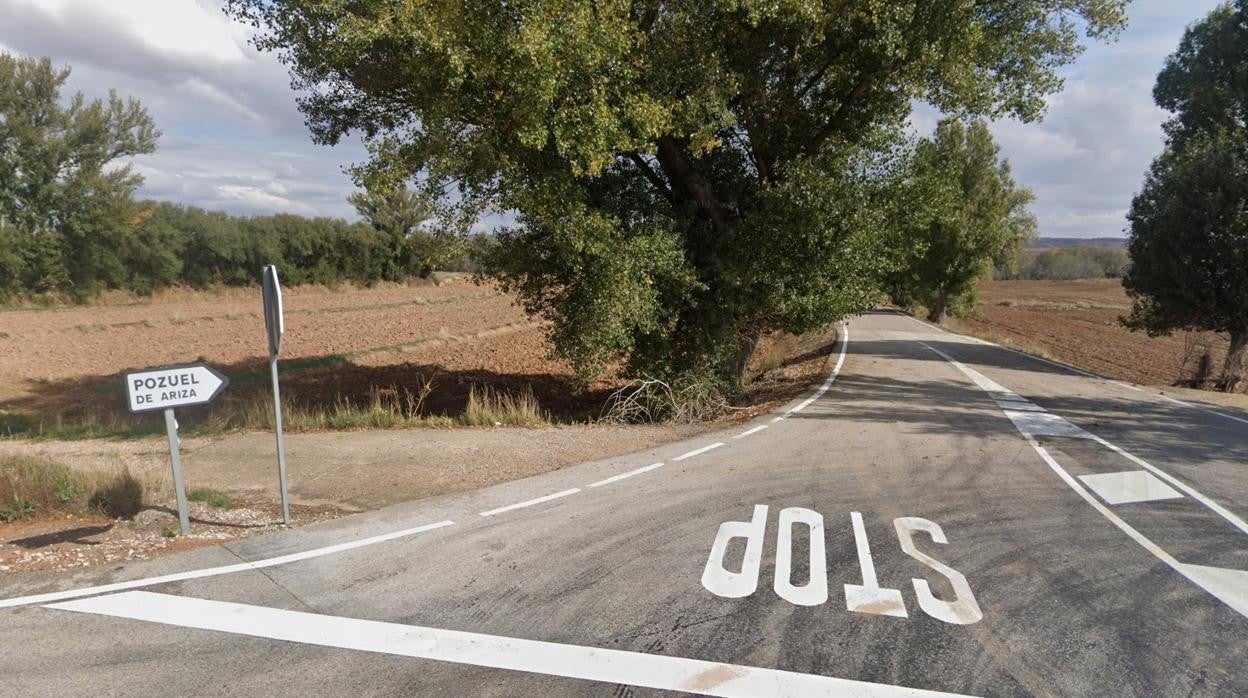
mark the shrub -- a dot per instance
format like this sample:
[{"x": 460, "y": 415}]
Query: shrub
[{"x": 119, "y": 496}]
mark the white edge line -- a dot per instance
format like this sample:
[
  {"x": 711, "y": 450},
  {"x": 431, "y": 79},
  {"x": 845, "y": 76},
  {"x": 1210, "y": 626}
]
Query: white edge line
[
  {"x": 214, "y": 571},
  {"x": 621, "y": 476},
  {"x": 609, "y": 666},
  {"x": 1192, "y": 492},
  {"x": 698, "y": 451},
  {"x": 530, "y": 502},
  {"x": 1113, "y": 518},
  {"x": 827, "y": 383},
  {"x": 1089, "y": 374},
  {"x": 747, "y": 432}
]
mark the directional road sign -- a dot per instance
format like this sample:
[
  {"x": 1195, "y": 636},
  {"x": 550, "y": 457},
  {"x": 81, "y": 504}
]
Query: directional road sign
[{"x": 175, "y": 386}]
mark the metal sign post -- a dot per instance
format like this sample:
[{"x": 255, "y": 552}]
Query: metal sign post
[
  {"x": 275, "y": 327},
  {"x": 175, "y": 457},
  {"x": 165, "y": 389}
]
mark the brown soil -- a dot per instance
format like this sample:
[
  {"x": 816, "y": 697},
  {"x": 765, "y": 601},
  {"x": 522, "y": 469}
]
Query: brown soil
[
  {"x": 62, "y": 363},
  {"x": 1076, "y": 322}
]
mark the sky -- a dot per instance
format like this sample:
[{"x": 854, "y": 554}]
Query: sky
[{"x": 234, "y": 140}]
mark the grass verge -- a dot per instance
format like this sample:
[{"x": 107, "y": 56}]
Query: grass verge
[
  {"x": 211, "y": 497},
  {"x": 31, "y": 486}
]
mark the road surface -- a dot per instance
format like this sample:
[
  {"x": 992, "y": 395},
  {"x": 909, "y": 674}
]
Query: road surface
[{"x": 947, "y": 516}]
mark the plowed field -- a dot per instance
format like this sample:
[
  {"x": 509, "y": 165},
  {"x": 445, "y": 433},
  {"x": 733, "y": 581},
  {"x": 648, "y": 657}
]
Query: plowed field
[
  {"x": 340, "y": 344},
  {"x": 1076, "y": 322},
  {"x": 60, "y": 368}
]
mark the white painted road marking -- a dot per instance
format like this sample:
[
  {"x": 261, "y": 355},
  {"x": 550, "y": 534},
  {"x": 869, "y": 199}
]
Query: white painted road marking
[
  {"x": 214, "y": 571},
  {"x": 869, "y": 597},
  {"x": 1224, "y": 584},
  {"x": 478, "y": 649},
  {"x": 530, "y": 502},
  {"x": 621, "y": 476},
  {"x": 1044, "y": 423},
  {"x": 747, "y": 432},
  {"x": 1131, "y": 486},
  {"x": 964, "y": 609},
  {"x": 1179, "y": 484},
  {"x": 1080, "y": 371},
  {"x": 698, "y": 451},
  {"x": 836, "y": 370},
  {"x": 815, "y": 591},
  {"x": 721, "y": 581}
]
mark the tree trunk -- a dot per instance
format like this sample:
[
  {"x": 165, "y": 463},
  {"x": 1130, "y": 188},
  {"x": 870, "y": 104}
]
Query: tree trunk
[
  {"x": 687, "y": 182},
  {"x": 740, "y": 360},
  {"x": 936, "y": 313},
  {"x": 1235, "y": 371}
]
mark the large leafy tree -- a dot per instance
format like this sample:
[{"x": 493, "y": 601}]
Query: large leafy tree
[
  {"x": 687, "y": 175},
  {"x": 1189, "y": 224},
  {"x": 64, "y": 201},
  {"x": 971, "y": 216}
]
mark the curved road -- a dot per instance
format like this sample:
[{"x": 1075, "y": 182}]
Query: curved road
[{"x": 949, "y": 516}]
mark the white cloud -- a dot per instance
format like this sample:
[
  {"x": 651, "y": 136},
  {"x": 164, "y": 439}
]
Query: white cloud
[{"x": 234, "y": 139}]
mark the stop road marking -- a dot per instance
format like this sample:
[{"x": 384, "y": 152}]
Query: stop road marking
[{"x": 868, "y": 597}]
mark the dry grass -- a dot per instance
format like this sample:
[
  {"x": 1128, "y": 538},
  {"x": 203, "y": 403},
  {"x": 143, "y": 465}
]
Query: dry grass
[
  {"x": 486, "y": 407},
  {"x": 32, "y": 486}
]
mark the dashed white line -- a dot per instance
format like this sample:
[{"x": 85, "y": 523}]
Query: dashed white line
[
  {"x": 698, "y": 451},
  {"x": 608, "y": 666},
  {"x": 214, "y": 571},
  {"x": 621, "y": 476},
  {"x": 530, "y": 502},
  {"x": 777, "y": 419},
  {"x": 747, "y": 432}
]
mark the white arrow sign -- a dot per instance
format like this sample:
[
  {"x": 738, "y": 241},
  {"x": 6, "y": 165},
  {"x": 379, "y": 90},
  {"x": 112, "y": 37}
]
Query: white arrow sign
[{"x": 176, "y": 386}]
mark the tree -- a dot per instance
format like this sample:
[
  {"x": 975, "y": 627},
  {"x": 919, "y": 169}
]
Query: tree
[
  {"x": 974, "y": 216},
  {"x": 395, "y": 211},
  {"x": 1189, "y": 224},
  {"x": 60, "y": 190},
  {"x": 686, "y": 175}
]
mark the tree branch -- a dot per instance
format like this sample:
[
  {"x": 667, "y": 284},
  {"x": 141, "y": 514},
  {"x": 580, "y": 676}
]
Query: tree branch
[
  {"x": 680, "y": 173},
  {"x": 653, "y": 176}
]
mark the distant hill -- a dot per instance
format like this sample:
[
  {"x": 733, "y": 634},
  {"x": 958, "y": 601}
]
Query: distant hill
[{"x": 1041, "y": 243}]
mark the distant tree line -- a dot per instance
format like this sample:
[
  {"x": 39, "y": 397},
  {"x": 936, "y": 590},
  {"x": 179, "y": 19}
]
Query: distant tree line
[
  {"x": 1065, "y": 264},
  {"x": 70, "y": 225},
  {"x": 164, "y": 244}
]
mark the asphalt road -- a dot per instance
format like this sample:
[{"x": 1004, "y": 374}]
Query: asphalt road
[{"x": 1005, "y": 526}]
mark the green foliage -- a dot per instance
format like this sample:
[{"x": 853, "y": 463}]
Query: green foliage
[
  {"x": 687, "y": 175},
  {"x": 211, "y": 497},
  {"x": 66, "y": 209},
  {"x": 1189, "y": 224},
  {"x": 397, "y": 212},
  {"x": 971, "y": 216},
  {"x": 1066, "y": 264}
]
